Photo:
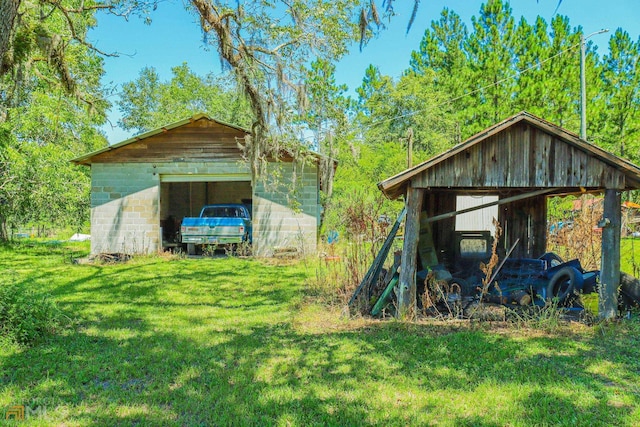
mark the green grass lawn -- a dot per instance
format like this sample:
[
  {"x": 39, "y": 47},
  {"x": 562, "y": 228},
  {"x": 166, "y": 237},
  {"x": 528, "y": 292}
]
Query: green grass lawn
[{"x": 162, "y": 341}]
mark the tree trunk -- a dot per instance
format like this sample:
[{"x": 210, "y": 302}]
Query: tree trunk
[
  {"x": 8, "y": 13},
  {"x": 4, "y": 235}
]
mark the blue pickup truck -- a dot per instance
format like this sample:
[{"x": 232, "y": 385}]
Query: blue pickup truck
[{"x": 221, "y": 224}]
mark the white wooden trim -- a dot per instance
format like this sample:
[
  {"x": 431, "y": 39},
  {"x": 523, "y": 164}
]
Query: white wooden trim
[{"x": 204, "y": 177}]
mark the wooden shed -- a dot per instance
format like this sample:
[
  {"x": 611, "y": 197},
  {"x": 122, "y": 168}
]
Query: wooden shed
[
  {"x": 521, "y": 161},
  {"x": 142, "y": 187}
]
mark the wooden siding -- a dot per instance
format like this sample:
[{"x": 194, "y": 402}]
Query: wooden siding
[
  {"x": 437, "y": 203},
  {"x": 525, "y": 220},
  {"x": 200, "y": 141},
  {"x": 522, "y": 151},
  {"x": 521, "y": 156}
]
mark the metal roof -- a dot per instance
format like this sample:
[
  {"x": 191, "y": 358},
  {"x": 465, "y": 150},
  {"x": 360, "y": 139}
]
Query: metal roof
[{"x": 395, "y": 186}]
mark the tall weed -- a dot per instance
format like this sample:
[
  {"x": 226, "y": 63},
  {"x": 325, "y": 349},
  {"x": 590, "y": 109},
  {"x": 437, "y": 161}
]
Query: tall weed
[
  {"x": 343, "y": 265},
  {"x": 580, "y": 238},
  {"x": 25, "y": 315}
]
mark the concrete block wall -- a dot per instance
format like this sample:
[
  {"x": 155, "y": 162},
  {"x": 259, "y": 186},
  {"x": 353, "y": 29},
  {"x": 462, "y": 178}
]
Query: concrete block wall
[
  {"x": 276, "y": 224},
  {"x": 125, "y": 206}
]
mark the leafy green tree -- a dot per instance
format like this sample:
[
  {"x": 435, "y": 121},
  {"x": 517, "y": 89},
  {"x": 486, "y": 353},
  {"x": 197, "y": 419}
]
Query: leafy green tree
[
  {"x": 138, "y": 101},
  {"x": 562, "y": 76},
  {"x": 442, "y": 53},
  {"x": 51, "y": 105},
  {"x": 44, "y": 189},
  {"x": 325, "y": 113},
  {"x": 390, "y": 115},
  {"x": 620, "y": 75},
  {"x": 43, "y": 41},
  {"x": 265, "y": 45},
  {"x": 413, "y": 107},
  {"x": 442, "y": 47},
  {"x": 374, "y": 88},
  {"x": 491, "y": 55},
  {"x": 531, "y": 49},
  {"x": 376, "y": 111},
  {"x": 40, "y": 185},
  {"x": 147, "y": 103}
]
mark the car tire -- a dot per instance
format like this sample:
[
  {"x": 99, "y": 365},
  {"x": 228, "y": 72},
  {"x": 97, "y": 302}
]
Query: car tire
[
  {"x": 562, "y": 284},
  {"x": 629, "y": 289},
  {"x": 465, "y": 288}
]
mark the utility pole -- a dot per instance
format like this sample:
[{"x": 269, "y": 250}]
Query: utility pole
[
  {"x": 583, "y": 83},
  {"x": 409, "y": 148},
  {"x": 583, "y": 91}
]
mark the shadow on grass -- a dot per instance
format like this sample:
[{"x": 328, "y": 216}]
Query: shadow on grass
[
  {"x": 187, "y": 343},
  {"x": 271, "y": 374}
]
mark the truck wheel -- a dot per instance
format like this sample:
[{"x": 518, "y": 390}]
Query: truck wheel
[
  {"x": 191, "y": 248},
  {"x": 562, "y": 284},
  {"x": 629, "y": 289}
]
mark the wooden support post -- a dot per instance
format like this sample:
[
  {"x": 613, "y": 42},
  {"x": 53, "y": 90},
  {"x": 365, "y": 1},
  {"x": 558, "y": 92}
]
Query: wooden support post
[
  {"x": 407, "y": 283},
  {"x": 610, "y": 266}
]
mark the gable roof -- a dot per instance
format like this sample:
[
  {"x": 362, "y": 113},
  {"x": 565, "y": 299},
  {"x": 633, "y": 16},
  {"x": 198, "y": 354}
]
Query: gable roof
[
  {"x": 86, "y": 159},
  {"x": 395, "y": 186},
  {"x": 122, "y": 151}
]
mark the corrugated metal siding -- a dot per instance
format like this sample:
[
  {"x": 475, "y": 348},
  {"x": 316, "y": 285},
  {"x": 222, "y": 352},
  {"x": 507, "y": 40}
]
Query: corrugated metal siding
[{"x": 481, "y": 219}]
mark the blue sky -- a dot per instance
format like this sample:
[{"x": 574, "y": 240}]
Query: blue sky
[{"x": 174, "y": 37}]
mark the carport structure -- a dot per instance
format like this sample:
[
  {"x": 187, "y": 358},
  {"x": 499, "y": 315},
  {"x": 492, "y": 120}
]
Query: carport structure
[{"x": 522, "y": 160}]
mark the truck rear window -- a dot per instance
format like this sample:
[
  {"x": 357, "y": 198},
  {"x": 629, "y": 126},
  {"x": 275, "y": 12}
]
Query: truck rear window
[{"x": 222, "y": 212}]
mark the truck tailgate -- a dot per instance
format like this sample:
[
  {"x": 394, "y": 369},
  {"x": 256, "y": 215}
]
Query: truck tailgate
[{"x": 213, "y": 230}]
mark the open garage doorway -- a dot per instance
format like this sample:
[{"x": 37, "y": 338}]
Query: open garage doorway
[{"x": 184, "y": 196}]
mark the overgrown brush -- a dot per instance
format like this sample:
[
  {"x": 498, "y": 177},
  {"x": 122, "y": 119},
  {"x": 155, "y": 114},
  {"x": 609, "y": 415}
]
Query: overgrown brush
[
  {"x": 330, "y": 283},
  {"x": 343, "y": 265},
  {"x": 27, "y": 316},
  {"x": 548, "y": 317},
  {"x": 580, "y": 238}
]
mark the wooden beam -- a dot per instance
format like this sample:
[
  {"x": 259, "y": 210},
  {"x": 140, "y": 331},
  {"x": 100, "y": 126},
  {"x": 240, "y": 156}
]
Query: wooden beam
[
  {"x": 374, "y": 271},
  {"x": 498, "y": 202},
  {"x": 610, "y": 265},
  {"x": 407, "y": 283}
]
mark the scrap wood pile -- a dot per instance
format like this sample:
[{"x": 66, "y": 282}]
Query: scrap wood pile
[{"x": 105, "y": 258}]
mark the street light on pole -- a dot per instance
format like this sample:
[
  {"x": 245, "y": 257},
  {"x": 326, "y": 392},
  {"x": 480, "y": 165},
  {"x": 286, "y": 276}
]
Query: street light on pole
[{"x": 583, "y": 83}]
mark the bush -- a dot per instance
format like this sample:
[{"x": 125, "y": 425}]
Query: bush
[{"x": 26, "y": 316}]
